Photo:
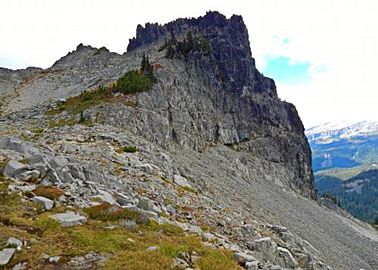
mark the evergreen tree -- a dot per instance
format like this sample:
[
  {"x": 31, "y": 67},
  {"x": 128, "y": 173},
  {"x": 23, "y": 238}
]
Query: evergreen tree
[{"x": 143, "y": 63}]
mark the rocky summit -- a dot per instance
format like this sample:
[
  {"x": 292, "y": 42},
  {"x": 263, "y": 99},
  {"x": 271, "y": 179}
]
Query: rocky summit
[{"x": 177, "y": 154}]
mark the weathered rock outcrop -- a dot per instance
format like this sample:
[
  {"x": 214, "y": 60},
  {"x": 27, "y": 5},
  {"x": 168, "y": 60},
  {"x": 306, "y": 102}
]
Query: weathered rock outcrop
[
  {"x": 217, "y": 98},
  {"x": 230, "y": 62}
]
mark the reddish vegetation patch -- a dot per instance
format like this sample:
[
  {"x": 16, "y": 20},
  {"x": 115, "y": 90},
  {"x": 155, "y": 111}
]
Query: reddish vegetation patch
[
  {"x": 52, "y": 193},
  {"x": 107, "y": 212}
]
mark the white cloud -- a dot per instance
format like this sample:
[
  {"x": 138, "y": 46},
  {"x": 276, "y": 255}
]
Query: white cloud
[{"x": 338, "y": 37}]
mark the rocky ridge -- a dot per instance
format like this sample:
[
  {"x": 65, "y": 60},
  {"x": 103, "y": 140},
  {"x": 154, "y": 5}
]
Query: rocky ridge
[{"x": 212, "y": 152}]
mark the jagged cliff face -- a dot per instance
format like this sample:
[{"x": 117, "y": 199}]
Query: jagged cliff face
[
  {"x": 194, "y": 105},
  {"x": 230, "y": 59}
]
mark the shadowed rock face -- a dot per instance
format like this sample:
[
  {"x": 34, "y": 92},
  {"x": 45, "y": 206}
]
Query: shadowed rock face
[
  {"x": 221, "y": 98},
  {"x": 230, "y": 59}
]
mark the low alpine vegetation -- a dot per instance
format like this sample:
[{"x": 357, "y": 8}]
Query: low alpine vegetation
[
  {"x": 107, "y": 212},
  {"x": 52, "y": 193},
  {"x": 132, "y": 82},
  {"x": 136, "y": 81}
]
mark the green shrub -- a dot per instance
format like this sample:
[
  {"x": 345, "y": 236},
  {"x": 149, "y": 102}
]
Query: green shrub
[
  {"x": 133, "y": 82},
  {"x": 129, "y": 149},
  {"x": 46, "y": 223}
]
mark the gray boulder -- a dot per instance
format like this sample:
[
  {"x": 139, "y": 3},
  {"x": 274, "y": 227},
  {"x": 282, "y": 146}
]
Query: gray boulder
[
  {"x": 15, "y": 144},
  {"x": 286, "y": 259},
  {"x": 193, "y": 229},
  {"x": 29, "y": 175},
  {"x": 266, "y": 246},
  {"x": 242, "y": 258},
  {"x": 206, "y": 237},
  {"x": 37, "y": 158},
  {"x": 91, "y": 175},
  {"x": 6, "y": 255},
  {"x": 147, "y": 204},
  {"x": 66, "y": 176},
  {"x": 181, "y": 181},
  {"x": 252, "y": 265},
  {"x": 247, "y": 231},
  {"x": 20, "y": 266},
  {"x": 106, "y": 197},
  {"x": 149, "y": 169},
  {"x": 45, "y": 202},
  {"x": 69, "y": 219},
  {"x": 124, "y": 200},
  {"x": 58, "y": 162},
  {"x": 13, "y": 168},
  {"x": 14, "y": 242}
]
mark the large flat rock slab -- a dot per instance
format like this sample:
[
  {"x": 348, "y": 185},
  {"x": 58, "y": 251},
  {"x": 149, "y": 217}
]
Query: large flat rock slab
[
  {"x": 69, "y": 219},
  {"x": 6, "y": 255}
]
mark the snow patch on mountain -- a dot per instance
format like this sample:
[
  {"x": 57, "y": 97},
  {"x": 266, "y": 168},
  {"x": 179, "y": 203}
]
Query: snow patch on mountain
[{"x": 333, "y": 131}]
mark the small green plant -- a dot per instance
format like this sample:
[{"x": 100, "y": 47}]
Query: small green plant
[
  {"x": 190, "y": 189},
  {"x": 23, "y": 161},
  {"x": 83, "y": 120},
  {"x": 46, "y": 223},
  {"x": 37, "y": 130},
  {"x": 129, "y": 149}
]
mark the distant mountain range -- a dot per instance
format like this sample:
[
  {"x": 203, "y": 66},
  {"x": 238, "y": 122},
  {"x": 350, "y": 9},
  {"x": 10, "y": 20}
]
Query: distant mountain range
[
  {"x": 345, "y": 165},
  {"x": 343, "y": 145},
  {"x": 330, "y": 132}
]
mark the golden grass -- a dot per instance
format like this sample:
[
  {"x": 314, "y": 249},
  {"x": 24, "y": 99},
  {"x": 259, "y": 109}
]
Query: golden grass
[
  {"x": 52, "y": 193},
  {"x": 126, "y": 249}
]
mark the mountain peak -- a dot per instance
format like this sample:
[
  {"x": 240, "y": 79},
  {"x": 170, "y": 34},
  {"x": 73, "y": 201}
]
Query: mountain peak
[
  {"x": 333, "y": 131},
  {"x": 229, "y": 57}
]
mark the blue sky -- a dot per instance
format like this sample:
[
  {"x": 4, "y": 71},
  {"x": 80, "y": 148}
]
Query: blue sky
[{"x": 283, "y": 70}]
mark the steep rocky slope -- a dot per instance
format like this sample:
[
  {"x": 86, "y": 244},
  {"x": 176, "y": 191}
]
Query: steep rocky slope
[{"x": 216, "y": 148}]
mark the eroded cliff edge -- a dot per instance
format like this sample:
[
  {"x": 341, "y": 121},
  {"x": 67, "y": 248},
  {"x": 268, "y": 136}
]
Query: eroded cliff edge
[{"x": 217, "y": 96}]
